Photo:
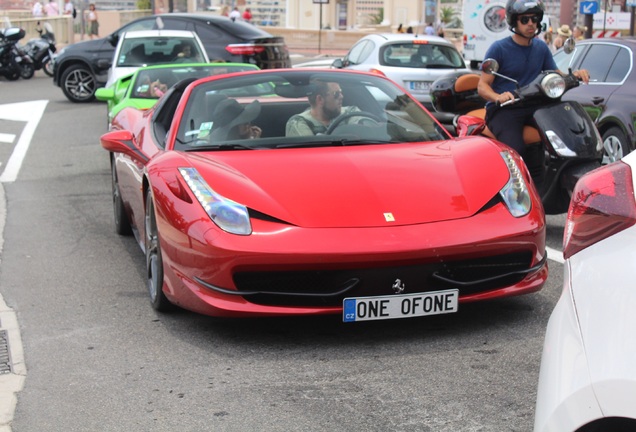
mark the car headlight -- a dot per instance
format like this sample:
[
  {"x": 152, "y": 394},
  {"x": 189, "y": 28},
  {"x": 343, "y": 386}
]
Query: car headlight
[
  {"x": 553, "y": 85},
  {"x": 515, "y": 193},
  {"x": 226, "y": 214}
]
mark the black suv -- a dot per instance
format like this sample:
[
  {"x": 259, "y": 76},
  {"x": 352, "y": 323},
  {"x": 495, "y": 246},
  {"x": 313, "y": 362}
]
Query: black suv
[{"x": 82, "y": 67}]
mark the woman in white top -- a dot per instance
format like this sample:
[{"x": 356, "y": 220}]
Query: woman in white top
[{"x": 93, "y": 24}]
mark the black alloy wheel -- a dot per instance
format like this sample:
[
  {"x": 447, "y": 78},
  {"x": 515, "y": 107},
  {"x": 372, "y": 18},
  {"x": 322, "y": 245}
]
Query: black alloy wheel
[
  {"x": 78, "y": 84},
  {"x": 154, "y": 263},
  {"x": 122, "y": 224}
]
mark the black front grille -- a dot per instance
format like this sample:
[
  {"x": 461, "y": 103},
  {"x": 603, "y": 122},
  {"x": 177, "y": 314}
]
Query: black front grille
[{"x": 317, "y": 287}]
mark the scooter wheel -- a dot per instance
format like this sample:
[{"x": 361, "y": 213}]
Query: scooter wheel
[
  {"x": 27, "y": 70},
  {"x": 48, "y": 68}
]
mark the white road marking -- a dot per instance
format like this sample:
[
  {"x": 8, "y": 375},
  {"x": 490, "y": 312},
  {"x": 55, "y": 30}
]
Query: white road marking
[
  {"x": 555, "y": 255},
  {"x": 31, "y": 113},
  {"x": 7, "y": 138}
]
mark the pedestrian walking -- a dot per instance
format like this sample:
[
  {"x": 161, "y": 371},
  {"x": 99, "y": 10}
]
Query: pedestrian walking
[
  {"x": 235, "y": 14},
  {"x": 93, "y": 23},
  {"x": 37, "y": 9},
  {"x": 51, "y": 9},
  {"x": 247, "y": 15}
]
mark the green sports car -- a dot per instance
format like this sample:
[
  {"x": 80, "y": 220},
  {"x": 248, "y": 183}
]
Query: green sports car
[{"x": 146, "y": 85}]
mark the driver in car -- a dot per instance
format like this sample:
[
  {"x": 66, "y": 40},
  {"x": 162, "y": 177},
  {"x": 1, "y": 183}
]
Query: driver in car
[{"x": 325, "y": 105}]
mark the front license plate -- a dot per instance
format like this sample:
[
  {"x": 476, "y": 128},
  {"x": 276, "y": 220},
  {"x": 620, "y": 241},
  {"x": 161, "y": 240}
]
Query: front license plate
[
  {"x": 400, "y": 306},
  {"x": 422, "y": 86}
]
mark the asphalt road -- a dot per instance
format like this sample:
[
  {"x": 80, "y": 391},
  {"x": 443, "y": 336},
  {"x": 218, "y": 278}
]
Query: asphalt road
[{"x": 98, "y": 358}]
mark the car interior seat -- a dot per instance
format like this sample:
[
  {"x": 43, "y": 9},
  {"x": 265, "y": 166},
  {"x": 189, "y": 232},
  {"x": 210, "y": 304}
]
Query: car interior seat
[{"x": 137, "y": 55}]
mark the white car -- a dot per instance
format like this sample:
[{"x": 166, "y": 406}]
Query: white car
[
  {"x": 323, "y": 63},
  {"x": 137, "y": 49},
  {"x": 412, "y": 61},
  {"x": 587, "y": 380}
]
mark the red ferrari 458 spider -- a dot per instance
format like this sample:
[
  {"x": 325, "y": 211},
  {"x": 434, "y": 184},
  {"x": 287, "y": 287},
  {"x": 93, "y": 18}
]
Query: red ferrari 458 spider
[{"x": 297, "y": 192}]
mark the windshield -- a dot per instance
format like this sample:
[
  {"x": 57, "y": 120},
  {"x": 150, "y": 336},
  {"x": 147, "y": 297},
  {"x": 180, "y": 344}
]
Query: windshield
[
  {"x": 166, "y": 77},
  {"x": 421, "y": 54},
  {"x": 289, "y": 109},
  {"x": 137, "y": 52}
]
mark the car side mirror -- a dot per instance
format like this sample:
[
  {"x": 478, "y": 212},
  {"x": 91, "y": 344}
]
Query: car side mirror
[
  {"x": 337, "y": 64},
  {"x": 113, "y": 39},
  {"x": 104, "y": 94},
  {"x": 122, "y": 141},
  {"x": 568, "y": 45}
]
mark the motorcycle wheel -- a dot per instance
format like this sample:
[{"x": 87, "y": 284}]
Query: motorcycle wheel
[
  {"x": 48, "y": 68},
  {"x": 27, "y": 70},
  {"x": 13, "y": 75}
]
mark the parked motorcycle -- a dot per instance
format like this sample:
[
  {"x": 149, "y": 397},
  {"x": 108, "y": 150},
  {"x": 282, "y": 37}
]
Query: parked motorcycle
[
  {"x": 42, "y": 50},
  {"x": 563, "y": 144},
  {"x": 14, "y": 62}
]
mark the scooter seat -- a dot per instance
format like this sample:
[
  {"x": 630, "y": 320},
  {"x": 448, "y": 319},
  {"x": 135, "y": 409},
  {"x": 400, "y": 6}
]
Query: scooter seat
[
  {"x": 530, "y": 134},
  {"x": 466, "y": 82}
]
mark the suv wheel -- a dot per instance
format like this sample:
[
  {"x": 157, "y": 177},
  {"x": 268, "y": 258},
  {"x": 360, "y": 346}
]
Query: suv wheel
[{"x": 78, "y": 84}]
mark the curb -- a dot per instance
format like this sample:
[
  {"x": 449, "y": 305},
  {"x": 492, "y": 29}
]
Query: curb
[{"x": 11, "y": 382}]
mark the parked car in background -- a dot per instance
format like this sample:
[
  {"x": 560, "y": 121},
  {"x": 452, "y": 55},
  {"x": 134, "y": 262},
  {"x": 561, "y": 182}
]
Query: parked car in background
[
  {"x": 326, "y": 63},
  {"x": 243, "y": 213},
  {"x": 412, "y": 61},
  {"x": 146, "y": 85},
  {"x": 587, "y": 380},
  {"x": 82, "y": 67},
  {"x": 150, "y": 47},
  {"x": 610, "y": 96}
]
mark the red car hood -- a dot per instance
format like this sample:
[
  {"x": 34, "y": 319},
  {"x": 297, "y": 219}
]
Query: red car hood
[{"x": 364, "y": 186}]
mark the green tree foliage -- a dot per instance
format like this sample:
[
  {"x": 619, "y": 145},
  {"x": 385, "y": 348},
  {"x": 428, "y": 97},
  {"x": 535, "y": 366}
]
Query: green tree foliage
[
  {"x": 378, "y": 17},
  {"x": 143, "y": 4},
  {"x": 446, "y": 14}
]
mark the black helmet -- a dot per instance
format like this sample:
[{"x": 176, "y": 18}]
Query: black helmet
[{"x": 514, "y": 8}]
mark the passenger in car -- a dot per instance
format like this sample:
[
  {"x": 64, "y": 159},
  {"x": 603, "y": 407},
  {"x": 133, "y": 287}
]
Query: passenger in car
[
  {"x": 325, "y": 104},
  {"x": 183, "y": 53},
  {"x": 231, "y": 120},
  {"x": 154, "y": 83}
]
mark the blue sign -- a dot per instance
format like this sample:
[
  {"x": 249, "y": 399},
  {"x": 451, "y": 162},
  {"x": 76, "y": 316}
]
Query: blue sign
[{"x": 588, "y": 7}]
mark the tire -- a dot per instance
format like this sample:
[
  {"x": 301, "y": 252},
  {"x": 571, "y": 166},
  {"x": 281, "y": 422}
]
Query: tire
[
  {"x": 13, "y": 75},
  {"x": 78, "y": 84},
  {"x": 27, "y": 70},
  {"x": 154, "y": 263},
  {"x": 615, "y": 145},
  {"x": 47, "y": 67},
  {"x": 122, "y": 223}
]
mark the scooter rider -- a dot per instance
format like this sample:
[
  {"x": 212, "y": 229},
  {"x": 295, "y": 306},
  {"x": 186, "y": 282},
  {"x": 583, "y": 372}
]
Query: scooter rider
[{"x": 521, "y": 57}]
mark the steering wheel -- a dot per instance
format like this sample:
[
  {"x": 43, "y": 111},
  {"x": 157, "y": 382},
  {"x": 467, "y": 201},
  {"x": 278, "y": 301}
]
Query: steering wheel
[{"x": 342, "y": 117}]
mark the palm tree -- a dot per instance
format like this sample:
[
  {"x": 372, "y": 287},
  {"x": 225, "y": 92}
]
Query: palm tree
[{"x": 446, "y": 14}]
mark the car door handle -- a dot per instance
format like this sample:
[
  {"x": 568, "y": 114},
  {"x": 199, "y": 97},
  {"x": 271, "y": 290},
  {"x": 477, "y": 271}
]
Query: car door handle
[{"x": 596, "y": 100}]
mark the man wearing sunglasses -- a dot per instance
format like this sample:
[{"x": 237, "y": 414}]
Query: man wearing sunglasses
[
  {"x": 521, "y": 57},
  {"x": 325, "y": 104}
]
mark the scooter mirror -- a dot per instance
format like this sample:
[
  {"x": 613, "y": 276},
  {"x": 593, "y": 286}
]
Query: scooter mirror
[
  {"x": 568, "y": 45},
  {"x": 489, "y": 66}
]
